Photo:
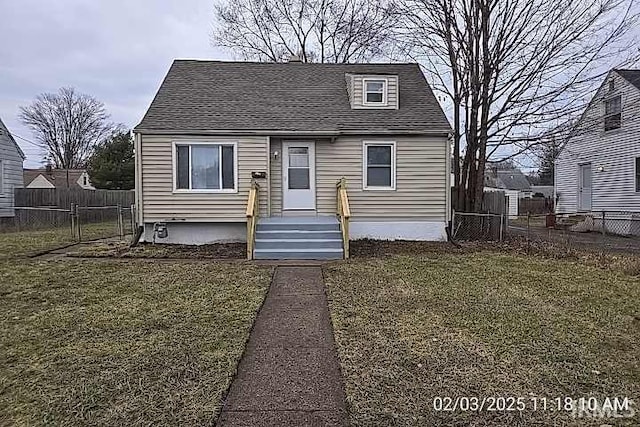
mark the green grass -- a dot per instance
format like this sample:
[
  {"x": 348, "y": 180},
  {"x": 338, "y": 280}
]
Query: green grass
[
  {"x": 26, "y": 243},
  {"x": 410, "y": 328},
  {"x": 122, "y": 343}
]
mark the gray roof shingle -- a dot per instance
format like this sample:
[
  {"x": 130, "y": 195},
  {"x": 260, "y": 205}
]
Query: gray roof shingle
[
  {"x": 286, "y": 97},
  {"x": 632, "y": 76}
]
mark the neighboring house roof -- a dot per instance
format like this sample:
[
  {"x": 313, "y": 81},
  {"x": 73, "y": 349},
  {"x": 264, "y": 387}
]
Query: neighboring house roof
[
  {"x": 632, "y": 76},
  {"x": 57, "y": 177},
  {"x": 286, "y": 97},
  {"x": 4, "y": 131},
  {"x": 507, "y": 179}
]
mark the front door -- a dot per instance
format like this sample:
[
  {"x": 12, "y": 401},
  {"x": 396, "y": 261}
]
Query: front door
[
  {"x": 584, "y": 188},
  {"x": 298, "y": 175}
]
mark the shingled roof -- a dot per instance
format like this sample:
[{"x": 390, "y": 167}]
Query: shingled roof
[
  {"x": 632, "y": 76},
  {"x": 286, "y": 97}
]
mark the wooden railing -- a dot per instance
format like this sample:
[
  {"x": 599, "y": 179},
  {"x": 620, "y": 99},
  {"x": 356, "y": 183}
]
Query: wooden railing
[
  {"x": 344, "y": 213},
  {"x": 253, "y": 208}
]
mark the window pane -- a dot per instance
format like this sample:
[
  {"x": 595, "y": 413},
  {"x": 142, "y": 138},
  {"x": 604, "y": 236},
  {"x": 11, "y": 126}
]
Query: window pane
[
  {"x": 183, "y": 167},
  {"x": 374, "y": 97},
  {"x": 228, "y": 164},
  {"x": 378, "y": 155},
  {"x": 612, "y": 122},
  {"x": 375, "y": 86},
  {"x": 205, "y": 167},
  {"x": 613, "y": 105},
  {"x": 299, "y": 179},
  {"x": 379, "y": 176},
  {"x": 299, "y": 157}
]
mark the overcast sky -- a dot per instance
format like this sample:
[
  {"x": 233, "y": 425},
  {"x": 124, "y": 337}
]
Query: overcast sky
[{"x": 115, "y": 50}]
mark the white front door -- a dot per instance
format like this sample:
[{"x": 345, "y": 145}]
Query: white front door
[
  {"x": 298, "y": 175},
  {"x": 584, "y": 188}
]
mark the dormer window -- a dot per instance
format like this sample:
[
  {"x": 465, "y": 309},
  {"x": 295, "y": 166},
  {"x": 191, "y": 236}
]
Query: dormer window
[{"x": 375, "y": 91}]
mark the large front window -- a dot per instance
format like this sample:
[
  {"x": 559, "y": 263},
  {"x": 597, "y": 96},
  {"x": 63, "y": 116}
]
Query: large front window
[
  {"x": 205, "y": 167},
  {"x": 379, "y": 166}
]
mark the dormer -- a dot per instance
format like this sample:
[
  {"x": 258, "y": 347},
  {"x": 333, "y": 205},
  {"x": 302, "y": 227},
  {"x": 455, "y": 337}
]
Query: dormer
[{"x": 373, "y": 91}]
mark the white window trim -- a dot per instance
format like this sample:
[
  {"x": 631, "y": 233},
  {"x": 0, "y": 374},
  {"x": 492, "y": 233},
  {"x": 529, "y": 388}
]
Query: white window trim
[
  {"x": 365, "y": 185},
  {"x": 385, "y": 91},
  {"x": 174, "y": 168}
]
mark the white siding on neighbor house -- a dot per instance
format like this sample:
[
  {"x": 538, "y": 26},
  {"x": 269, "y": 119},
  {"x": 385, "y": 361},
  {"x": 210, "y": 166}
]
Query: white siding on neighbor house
[
  {"x": 355, "y": 90},
  {"x": 11, "y": 170},
  {"x": 611, "y": 154},
  {"x": 421, "y": 179},
  {"x": 160, "y": 203}
]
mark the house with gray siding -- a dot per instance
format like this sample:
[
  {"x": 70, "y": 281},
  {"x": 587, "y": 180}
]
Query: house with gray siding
[
  {"x": 598, "y": 169},
  {"x": 216, "y": 130},
  {"x": 11, "y": 160}
]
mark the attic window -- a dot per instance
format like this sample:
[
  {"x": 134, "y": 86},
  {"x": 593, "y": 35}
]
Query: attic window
[
  {"x": 612, "y": 113},
  {"x": 375, "y": 91}
]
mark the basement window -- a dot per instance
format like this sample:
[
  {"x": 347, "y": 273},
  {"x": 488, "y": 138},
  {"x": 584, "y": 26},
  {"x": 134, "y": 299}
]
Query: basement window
[
  {"x": 379, "y": 165},
  {"x": 374, "y": 91},
  {"x": 613, "y": 113},
  {"x": 205, "y": 167}
]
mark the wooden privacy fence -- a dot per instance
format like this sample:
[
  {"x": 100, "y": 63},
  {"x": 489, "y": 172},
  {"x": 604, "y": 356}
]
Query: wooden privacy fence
[
  {"x": 63, "y": 198},
  {"x": 535, "y": 205}
]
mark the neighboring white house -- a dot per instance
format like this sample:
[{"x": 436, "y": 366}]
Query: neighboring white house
[
  {"x": 598, "y": 168},
  {"x": 11, "y": 159},
  {"x": 57, "y": 178}
]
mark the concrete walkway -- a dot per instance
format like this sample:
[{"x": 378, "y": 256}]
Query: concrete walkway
[{"x": 289, "y": 374}]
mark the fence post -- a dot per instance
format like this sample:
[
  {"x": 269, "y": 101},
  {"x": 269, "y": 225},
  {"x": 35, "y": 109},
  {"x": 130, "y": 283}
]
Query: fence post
[
  {"x": 604, "y": 228},
  {"x": 73, "y": 222},
  {"x": 133, "y": 219},
  {"x": 120, "y": 222},
  {"x": 501, "y": 226},
  {"x": 528, "y": 226},
  {"x": 453, "y": 223},
  {"x": 78, "y": 223}
]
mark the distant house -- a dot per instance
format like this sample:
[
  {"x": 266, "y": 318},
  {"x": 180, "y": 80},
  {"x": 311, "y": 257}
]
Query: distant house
[
  {"x": 512, "y": 181},
  {"x": 11, "y": 159},
  {"x": 57, "y": 178}
]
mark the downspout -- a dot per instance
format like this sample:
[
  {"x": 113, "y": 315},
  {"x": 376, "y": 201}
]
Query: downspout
[
  {"x": 268, "y": 176},
  {"x": 138, "y": 178}
]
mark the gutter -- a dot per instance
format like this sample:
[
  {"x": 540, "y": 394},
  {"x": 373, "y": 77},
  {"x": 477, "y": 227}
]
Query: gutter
[{"x": 296, "y": 133}]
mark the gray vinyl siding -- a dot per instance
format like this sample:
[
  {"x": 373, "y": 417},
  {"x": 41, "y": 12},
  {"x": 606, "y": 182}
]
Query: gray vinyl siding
[
  {"x": 355, "y": 89},
  {"x": 11, "y": 169},
  {"x": 421, "y": 179},
  {"x": 614, "y": 151},
  {"x": 160, "y": 203}
]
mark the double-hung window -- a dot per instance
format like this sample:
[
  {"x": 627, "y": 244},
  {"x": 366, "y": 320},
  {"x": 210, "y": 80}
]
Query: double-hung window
[
  {"x": 207, "y": 167},
  {"x": 637, "y": 174},
  {"x": 375, "y": 91},
  {"x": 379, "y": 159},
  {"x": 613, "y": 113}
]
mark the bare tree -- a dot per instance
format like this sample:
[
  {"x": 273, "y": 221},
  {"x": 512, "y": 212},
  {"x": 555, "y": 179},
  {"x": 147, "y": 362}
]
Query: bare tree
[
  {"x": 336, "y": 31},
  {"x": 514, "y": 70},
  {"x": 67, "y": 125}
]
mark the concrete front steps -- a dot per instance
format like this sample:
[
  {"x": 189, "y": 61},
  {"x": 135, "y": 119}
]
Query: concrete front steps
[{"x": 298, "y": 238}]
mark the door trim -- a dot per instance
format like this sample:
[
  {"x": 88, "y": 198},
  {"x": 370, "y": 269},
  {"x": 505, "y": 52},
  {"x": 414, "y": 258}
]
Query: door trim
[{"x": 311, "y": 144}]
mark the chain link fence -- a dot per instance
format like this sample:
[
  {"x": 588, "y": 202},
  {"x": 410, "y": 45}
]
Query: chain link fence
[
  {"x": 65, "y": 226},
  {"x": 611, "y": 231}
]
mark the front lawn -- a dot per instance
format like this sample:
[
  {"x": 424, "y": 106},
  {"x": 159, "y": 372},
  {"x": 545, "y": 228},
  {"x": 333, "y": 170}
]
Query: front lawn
[
  {"x": 122, "y": 343},
  {"x": 410, "y": 328}
]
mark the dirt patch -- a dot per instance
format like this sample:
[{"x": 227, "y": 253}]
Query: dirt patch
[
  {"x": 367, "y": 248},
  {"x": 160, "y": 251}
]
